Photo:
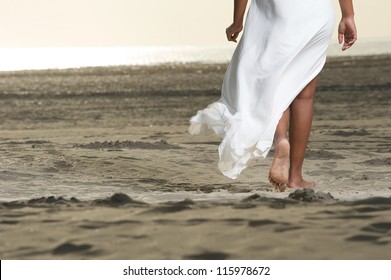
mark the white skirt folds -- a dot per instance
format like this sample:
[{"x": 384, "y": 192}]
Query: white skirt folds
[{"x": 282, "y": 49}]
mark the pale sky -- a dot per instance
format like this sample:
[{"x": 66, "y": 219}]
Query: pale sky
[{"x": 127, "y": 23}]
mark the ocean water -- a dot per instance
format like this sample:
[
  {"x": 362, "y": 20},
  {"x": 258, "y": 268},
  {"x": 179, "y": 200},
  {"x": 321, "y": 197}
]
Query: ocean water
[{"x": 62, "y": 58}]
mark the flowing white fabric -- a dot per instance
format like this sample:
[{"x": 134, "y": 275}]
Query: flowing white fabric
[{"x": 282, "y": 49}]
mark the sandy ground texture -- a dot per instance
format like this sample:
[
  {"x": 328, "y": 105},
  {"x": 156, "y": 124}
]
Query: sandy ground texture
[{"x": 97, "y": 163}]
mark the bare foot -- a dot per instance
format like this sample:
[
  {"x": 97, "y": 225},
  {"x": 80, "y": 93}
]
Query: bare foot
[
  {"x": 279, "y": 171},
  {"x": 301, "y": 184}
]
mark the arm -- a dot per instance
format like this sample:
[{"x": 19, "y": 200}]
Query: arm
[
  {"x": 236, "y": 27},
  {"x": 347, "y": 32}
]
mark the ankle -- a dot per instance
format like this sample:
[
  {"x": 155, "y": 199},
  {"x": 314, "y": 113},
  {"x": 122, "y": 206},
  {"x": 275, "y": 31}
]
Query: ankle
[
  {"x": 299, "y": 182},
  {"x": 282, "y": 149},
  {"x": 279, "y": 139}
]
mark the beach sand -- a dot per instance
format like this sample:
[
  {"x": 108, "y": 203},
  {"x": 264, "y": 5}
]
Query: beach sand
[{"x": 96, "y": 163}]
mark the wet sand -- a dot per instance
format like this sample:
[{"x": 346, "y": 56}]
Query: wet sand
[{"x": 88, "y": 134}]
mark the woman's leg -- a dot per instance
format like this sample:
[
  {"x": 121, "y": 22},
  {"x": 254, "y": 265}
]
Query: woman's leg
[
  {"x": 282, "y": 127},
  {"x": 301, "y": 113},
  {"x": 279, "y": 171}
]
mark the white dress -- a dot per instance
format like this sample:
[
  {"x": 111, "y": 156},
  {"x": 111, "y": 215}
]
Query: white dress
[{"x": 282, "y": 49}]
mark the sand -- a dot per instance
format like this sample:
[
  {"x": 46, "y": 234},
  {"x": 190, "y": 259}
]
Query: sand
[{"x": 96, "y": 163}]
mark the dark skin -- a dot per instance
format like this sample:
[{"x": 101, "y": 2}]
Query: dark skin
[
  {"x": 347, "y": 33},
  {"x": 236, "y": 27},
  {"x": 286, "y": 169}
]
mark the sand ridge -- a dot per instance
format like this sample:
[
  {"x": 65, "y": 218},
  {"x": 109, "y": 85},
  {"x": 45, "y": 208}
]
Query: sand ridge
[
  {"x": 95, "y": 132},
  {"x": 119, "y": 227}
]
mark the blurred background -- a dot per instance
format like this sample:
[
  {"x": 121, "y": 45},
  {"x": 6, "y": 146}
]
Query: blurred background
[
  {"x": 188, "y": 27},
  {"x": 112, "y": 23}
]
